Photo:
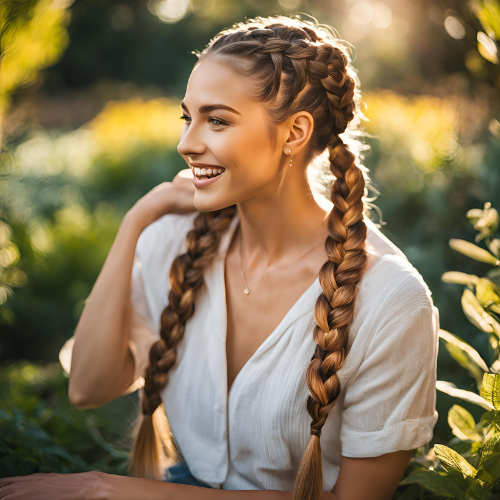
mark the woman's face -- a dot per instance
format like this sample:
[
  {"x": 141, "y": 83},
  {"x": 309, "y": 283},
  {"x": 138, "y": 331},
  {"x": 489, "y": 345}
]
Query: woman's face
[{"x": 235, "y": 138}]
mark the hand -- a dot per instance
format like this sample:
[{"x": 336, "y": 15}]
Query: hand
[
  {"x": 166, "y": 198},
  {"x": 82, "y": 486}
]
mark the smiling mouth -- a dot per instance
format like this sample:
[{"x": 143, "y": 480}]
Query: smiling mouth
[{"x": 207, "y": 173}]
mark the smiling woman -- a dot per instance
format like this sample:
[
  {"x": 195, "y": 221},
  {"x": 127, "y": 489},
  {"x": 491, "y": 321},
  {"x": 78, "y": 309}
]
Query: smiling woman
[
  {"x": 286, "y": 344},
  {"x": 264, "y": 100}
]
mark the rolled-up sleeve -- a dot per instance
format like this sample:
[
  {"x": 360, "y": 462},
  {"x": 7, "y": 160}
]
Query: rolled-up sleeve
[{"x": 390, "y": 403}]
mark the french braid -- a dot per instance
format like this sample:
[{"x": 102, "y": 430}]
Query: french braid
[
  {"x": 291, "y": 65},
  {"x": 186, "y": 278}
]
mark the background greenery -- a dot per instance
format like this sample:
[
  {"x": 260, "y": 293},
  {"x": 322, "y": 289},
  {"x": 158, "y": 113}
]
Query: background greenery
[{"x": 89, "y": 106}]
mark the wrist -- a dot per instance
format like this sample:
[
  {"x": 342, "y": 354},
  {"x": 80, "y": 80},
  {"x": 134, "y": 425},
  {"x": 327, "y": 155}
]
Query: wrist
[
  {"x": 136, "y": 221},
  {"x": 97, "y": 485}
]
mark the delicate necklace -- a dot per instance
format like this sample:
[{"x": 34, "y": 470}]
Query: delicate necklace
[{"x": 247, "y": 290}]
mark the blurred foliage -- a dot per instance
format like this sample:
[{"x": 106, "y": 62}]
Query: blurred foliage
[
  {"x": 93, "y": 125},
  {"x": 65, "y": 195},
  {"x": 41, "y": 431},
  {"x": 10, "y": 274},
  {"x": 34, "y": 36},
  {"x": 469, "y": 467}
]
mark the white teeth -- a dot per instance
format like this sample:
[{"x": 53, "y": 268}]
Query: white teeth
[{"x": 204, "y": 171}]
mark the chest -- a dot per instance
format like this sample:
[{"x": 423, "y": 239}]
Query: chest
[{"x": 254, "y": 317}]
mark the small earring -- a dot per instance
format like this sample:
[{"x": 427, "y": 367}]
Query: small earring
[{"x": 291, "y": 156}]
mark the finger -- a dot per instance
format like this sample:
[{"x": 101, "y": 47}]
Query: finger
[
  {"x": 5, "y": 481},
  {"x": 14, "y": 479},
  {"x": 14, "y": 491}
]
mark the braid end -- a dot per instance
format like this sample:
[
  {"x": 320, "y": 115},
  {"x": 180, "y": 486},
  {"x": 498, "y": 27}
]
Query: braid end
[
  {"x": 309, "y": 480},
  {"x": 145, "y": 456}
]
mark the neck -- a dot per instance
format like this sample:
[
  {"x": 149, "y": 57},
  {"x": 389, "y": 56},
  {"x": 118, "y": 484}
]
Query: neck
[{"x": 274, "y": 230}]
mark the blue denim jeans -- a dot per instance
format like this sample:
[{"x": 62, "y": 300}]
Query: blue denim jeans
[{"x": 179, "y": 473}]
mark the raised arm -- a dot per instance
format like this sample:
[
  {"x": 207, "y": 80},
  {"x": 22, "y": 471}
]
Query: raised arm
[{"x": 102, "y": 365}]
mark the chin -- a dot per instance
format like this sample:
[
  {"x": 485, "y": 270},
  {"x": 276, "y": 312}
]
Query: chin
[{"x": 209, "y": 205}]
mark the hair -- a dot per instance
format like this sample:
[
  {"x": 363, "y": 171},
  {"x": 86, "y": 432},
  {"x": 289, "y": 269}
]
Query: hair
[{"x": 291, "y": 65}]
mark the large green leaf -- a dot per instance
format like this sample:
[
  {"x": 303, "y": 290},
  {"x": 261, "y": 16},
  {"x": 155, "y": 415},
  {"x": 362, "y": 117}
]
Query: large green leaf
[
  {"x": 462, "y": 424},
  {"x": 471, "y": 397},
  {"x": 490, "y": 390},
  {"x": 451, "y": 460},
  {"x": 465, "y": 355},
  {"x": 473, "y": 251},
  {"x": 435, "y": 482}
]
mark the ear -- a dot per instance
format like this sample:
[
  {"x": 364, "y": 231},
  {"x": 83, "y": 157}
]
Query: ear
[{"x": 300, "y": 129}]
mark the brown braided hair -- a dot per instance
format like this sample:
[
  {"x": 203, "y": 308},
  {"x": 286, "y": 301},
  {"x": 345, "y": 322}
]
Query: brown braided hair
[{"x": 291, "y": 65}]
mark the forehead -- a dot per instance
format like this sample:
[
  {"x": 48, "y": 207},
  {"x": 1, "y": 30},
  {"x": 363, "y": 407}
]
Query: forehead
[{"x": 213, "y": 82}]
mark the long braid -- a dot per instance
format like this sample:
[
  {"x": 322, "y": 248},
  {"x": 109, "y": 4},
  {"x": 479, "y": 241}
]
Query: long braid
[
  {"x": 345, "y": 247},
  {"x": 186, "y": 278},
  {"x": 334, "y": 309},
  {"x": 293, "y": 68}
]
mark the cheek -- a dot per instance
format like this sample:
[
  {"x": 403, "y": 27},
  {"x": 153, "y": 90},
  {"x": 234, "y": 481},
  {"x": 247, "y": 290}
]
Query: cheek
[{"x": 248, "y": 156}]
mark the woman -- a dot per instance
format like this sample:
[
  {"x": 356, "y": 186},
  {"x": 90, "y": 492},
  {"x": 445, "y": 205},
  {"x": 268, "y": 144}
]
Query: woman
[{"x": 262, "y": 317}]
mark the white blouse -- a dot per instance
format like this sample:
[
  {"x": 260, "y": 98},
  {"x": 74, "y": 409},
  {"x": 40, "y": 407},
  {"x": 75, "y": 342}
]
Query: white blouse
[{"x": 254, "y": 438}]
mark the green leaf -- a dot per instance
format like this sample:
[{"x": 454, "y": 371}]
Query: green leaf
[
  {"x": 479, "y": 490},
  {"x": 477, "y": 315},
  {"x": 465, "y": 355},
  {"x": 490, "y": 389},
  {"x": 491, "y": 465},
  {"x": 462, "y": 424},
  {"x": 471, "y": 397},
  {"x": 490, "y": 447},
  {"x": 487, "y": 292},
  {"x": 459, "y": 278},
  {"x": 451, "y": 460},
  {"x": 488, "y": 417},
  {"x": 473, "y": 251},
  {"x": 435, "y": 482}
]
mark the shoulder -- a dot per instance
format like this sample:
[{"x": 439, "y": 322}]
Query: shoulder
[
  {"x": 394, "y": 288},
  {"x": 164, "y": 239},
  {"x": 170, "y": 230},
  {"x": 396, "y": 315}
]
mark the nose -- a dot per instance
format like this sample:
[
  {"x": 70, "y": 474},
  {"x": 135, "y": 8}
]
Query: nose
[{"x": 190, "y": 143}]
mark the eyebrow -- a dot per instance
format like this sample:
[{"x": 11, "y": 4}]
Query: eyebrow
[{"x": 211, "y": 107}]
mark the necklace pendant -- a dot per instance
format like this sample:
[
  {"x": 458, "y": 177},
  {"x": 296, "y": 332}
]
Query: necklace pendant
[{"x": 247, "y": 291}]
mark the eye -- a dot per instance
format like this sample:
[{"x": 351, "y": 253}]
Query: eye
[{"x": 214, "y": 121}]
